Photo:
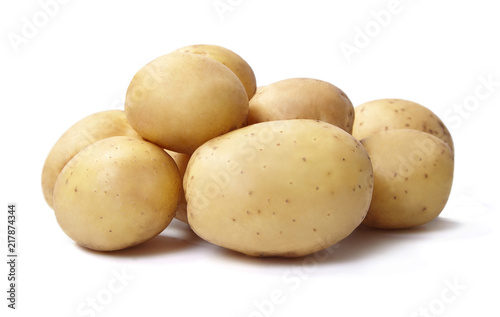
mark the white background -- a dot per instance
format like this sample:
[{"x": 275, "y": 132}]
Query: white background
[{"x": 80, "y": 59}]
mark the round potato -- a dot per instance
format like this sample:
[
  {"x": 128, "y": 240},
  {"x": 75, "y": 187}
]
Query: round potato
[
  {"x": 229, "y": 58},
  {"x": 389, "y": 114},
  {"x": 117, "y": 193},
  {"x": 281, "y": 188},
  {"x": 413, "y": 173},
  {"x": 181, "y": 160},
  {"x": 179, "y": 101},
  {"x": 302, "y": 98},
  {"x": 87, "y": 131}
]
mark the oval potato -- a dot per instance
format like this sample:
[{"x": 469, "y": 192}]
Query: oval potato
[
  {"x": 117, "y": 193},
  {"x": 179, "y": 101},
  {"x": 281, "y": 188},
  {"x": 230, "y": 59},
  {"x": 413, "y": 173},
  {"x": 95, "y": 127},
  {"x": 389, "y": 114},
  {"x": 302, "y": 98}
]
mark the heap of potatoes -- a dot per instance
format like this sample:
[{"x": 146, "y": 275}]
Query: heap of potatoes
[{"x": 286, "y": 169}]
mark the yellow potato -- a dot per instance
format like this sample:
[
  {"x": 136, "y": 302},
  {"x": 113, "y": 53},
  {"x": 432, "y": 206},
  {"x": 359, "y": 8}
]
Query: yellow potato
[
  {"x": 413, "y": 173},
  {"x": 117, "y": 193},
  {"x": 282, "y": 188},
  {"x": 229, "y": 58},
  {"x": 302, "y": 98},
  {"x": 87, "y": 131},
  {"x": 389, "y": 114},
  {"x": 179, "y": 101},
  {"x": 181, "y": 160}
]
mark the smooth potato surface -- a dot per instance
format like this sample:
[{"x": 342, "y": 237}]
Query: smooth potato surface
[
  {"x": 179, "y": 101},
  {"x": 413, "y": 174},
  {"x": 87, "y": 131},
  {"x": 281, "y": 188},
  {"x": 302, "y": 98},
  {"x": 230, "y": 59},
  {"x": 389, "y": 114},
  {"x": 117, "y": 193},
  {"x": 181, "y": 160}
]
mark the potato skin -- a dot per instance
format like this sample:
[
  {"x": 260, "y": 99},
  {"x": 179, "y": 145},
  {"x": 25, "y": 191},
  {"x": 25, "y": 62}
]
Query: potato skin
[
  {"x": 281, "y": 188},
  {"x": 413, "y": 173},
  {"x": 181, "y": 160},
  {"x": 230, "y": 59},
  {"x": 179, "y": 101},
  {"x": 87, "y": 131},
  {"x": 302, "y": 98},
  {"x": 389, "y": 114},
  {"x": 117, "y": 193}
]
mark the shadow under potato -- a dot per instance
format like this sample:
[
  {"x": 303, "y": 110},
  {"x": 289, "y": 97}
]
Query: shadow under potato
[{"x": 361, "y": 243}]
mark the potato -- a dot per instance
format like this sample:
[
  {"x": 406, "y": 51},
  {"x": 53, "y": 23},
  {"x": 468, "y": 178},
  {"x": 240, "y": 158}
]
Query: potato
[
  {"x": 179, "y": 101},
  {"x": 117, "y": 193},
  {"x": 229, "y": 58},
  {"x": 388, "y": 114},
  {"x": 281, "y": 188},
  {"x": 89, "y": 130},
  {"x": 181, "y": 160},
  {"x": 413, "y": 173},
  {"x": 302, "y": 98}
]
